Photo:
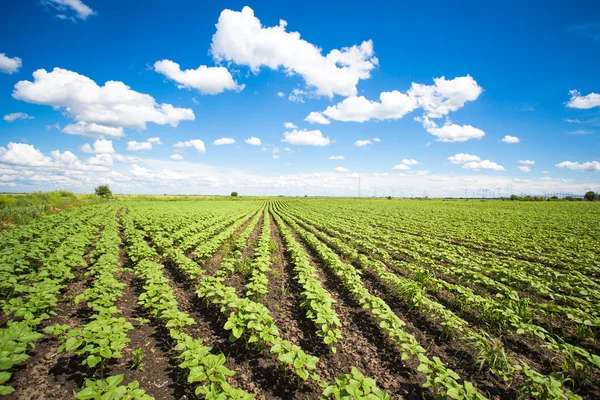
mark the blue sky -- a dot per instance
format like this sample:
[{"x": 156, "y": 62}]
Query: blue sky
[{"x": 508, "y": 69}]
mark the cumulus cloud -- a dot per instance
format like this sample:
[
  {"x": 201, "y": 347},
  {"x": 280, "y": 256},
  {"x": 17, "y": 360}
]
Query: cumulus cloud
[
  {"x": 376, "y": 140},
  {"x": 15, "y": 116},
  {"x": 241, "y": 39},
  {"x": 462, "y": 158},
  {"x": 176, "y": 157},
  {"x": 155, "y": 140},
  {"x": 510, "y": 139},
  {"x": 341, "y": 169},
  {"x": 409, "y": 161},
  {"x": 76, "y": 7},
  {"x": 445, "y": 95},
  {"x": 451, "y": 132},
  {"x": 526, "y": 162},
  {"x": 583, "y": 102},
  {"x": 207, "y": 80},
  {"x": 317, "y": 118},
  {"x": 223, "y": 141},
  {"x": 23, "y": 154},
  {"x": 485, "y": 164},
  {"x": 298, "y": 95},
  {"x": 100, "y": 147},
  {"x": 93, "y": 130},
  {"x": 524, "y": 168},
  {"x": 114, "y": 104},
  {"x": 195, "y": 143},
  {"x": 290, "y": 125},
  {"x": 105, "y": 160},
  {"x": 254, "y": 141},
  {"x": 392, "y": 105},
  {"x": 401, "y": 167},
  {"x": 335, "y": 157},
  {"x": 590, "y": 166},
  {"x": 132, "y": 145},
  {"x": 9, "y": 65},
  {"x": 275, "y": 156},
  {"x": 280, "y": 94},
  {"x": 306, "y": 138},
  {"x": 361, "y": 143}
]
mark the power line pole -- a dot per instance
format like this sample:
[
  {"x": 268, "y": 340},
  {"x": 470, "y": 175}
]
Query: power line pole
[{"x": 359, "y": 186}]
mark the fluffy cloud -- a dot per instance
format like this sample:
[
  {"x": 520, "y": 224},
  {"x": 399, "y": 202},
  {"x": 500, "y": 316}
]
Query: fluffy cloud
[
  {"x": 241, "y": 38},
  {"x": 583, "y": 102},
  {"x": 290, "y": 125},
  {"x": 100, "y": 147},
  {"x": 462, "y": 158},
  {"x": 407, "y": 161},
  {"x": 208, "y": 80},
  {"x": 376, "y": 140},
  {"x": 176, "y": 157},
  {"x": 450, "y": 132},
  {"x": 80, "y": 10},
  {"x": 392, "y": 105},
  {"x": 524, "y": 168},
  {"x": 341, "y": 169},
  {"x": 485, "y": 164},
  {"x": 280, "y": 94},
  {"x": 526, "y": 162},
  {"x": 401, "y": 167},
  {"x": 15, "y": 116},
  {"x": 9, "y": 65},
  {"x": 590, "y": 166},
  {"x": 361, "y": 143},
  {"x": 317, "y": 118},
  {"x": 93, "y": 130},
  {"x": 195, "y": 143},
  {"x": 298, "y": 95},
  {"x": 222, "y": 141},
  {"x": 436, "y": 100},
  {"x": 23, "y": 154},
  {"x": 254, "y": 141},
  {"x": 155, "y": 140},
  {"x": 132, "y": 145},
  {"x": 335, "y": 158},
  {"x": 114, "y": 104},
  {"x": 104, "y": 160},
  {"x": 510, "y": 139},
  {"x": 305, "y": 138}
]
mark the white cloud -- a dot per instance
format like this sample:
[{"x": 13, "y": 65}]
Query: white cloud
[
  {"x": 341, "y": 169},
  {"x": 485, "y": 164},
  {"x": 462, "y": 158},
  {"x": 580, "y": 132},
  {"x": 241, "y": 38},
  {"x": 222, "y": 141},
  {"x": 287, "y": 149},
  {"x": 155, "y": 140},
  {"x": 376, "y": 140},
  {"x": 583, "y": 102},
  {"x": 450, "y": 132},
  {"x": 590, "y": 166},
  {"x": 317, "y": 118},
  {"x": 335, "y": 158},
  {"x": 280, "y": 94},
  {"x": 524, "y": 168},
  {"x": 401, "y": 167},
  {"x": 306, "y": 138},
  {"x": 510, "y": 139},
  {"x": 93, "y": 130},
  {"x": 290, "y": 125},
  {"x": 23, "y": 154},
  {"x": 113, "y": 104},
  {"x": 573, "y": 121},
  {"x": 298, "y": 95},
  {"x": 195, "y": 143},
  {"x": 445, "y": 96},
  {"x": 176, "y": 157},
  {"x": 100, "y": 147},
  {"x": 526, "y": 162},
  {"x": 208, "y": 80},
  {"x": 392, "y": 105},
  {"x": 104, "y": 160},
  {"x": 80, "y": 10},
  {"x": 254, "y": 141},
  {"x": 9, "y": 65},
  {"x": 407, "y": 161},
  {"x": 132, "y": 145},
  {"x": 15, "y": 116},
  {"x": 275, "y": 156},
  {"x": 361, "y": 143}
]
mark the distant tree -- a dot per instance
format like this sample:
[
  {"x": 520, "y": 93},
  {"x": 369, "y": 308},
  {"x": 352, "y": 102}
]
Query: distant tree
[
  {"x": 589, "y": 196},
  {"x": 234, "y": 194},
  {"x": 104, "y": 191},
  {"x": 389, "y": 197}
]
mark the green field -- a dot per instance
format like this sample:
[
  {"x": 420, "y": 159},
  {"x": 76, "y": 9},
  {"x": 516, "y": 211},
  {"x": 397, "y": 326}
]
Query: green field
[{"x": 303, "y": 298}]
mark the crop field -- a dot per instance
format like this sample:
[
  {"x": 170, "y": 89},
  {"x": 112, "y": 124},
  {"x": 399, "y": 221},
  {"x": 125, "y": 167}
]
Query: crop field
[{"x": 303, "y": 298}]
